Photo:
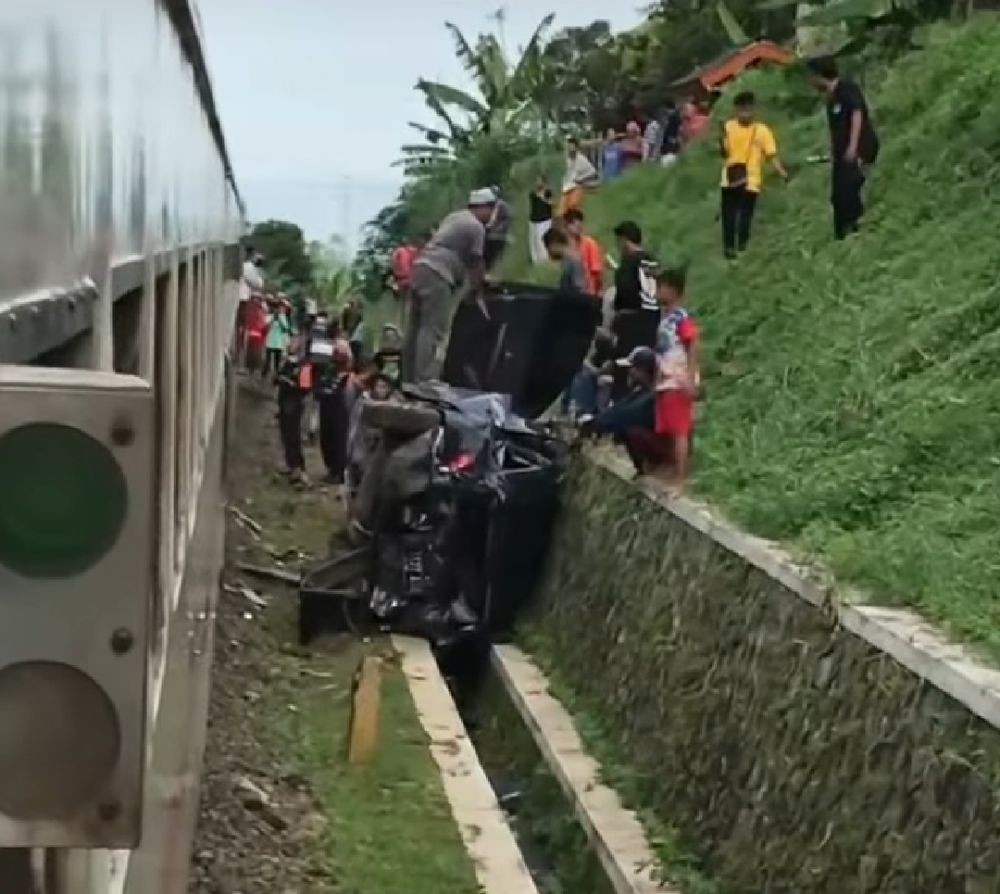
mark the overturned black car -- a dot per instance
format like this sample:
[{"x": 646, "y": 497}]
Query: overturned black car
[{"x": 454, "y": 487}]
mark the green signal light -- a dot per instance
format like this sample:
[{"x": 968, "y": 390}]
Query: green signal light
[{"x": 63, "y": 500}]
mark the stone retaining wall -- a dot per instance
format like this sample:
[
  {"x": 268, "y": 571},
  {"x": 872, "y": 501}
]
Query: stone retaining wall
[{"x": 794, "y": 754}]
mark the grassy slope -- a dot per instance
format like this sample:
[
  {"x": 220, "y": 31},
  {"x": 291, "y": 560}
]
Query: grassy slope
[{"x": 854, "y": 389}]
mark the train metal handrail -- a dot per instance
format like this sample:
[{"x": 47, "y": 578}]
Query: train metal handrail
[{"x": 37, "y": 323}]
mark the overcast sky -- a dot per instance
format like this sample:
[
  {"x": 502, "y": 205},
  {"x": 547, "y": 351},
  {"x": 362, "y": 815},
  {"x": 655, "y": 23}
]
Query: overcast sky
[{"x": 315, "y": 95}]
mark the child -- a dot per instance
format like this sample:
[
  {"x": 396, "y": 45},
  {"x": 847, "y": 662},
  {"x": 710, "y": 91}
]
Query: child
[
  {"x": 677, "y": 376},
  {"x": 278, "y": 336},
  {"x": 561, "y": 248}
]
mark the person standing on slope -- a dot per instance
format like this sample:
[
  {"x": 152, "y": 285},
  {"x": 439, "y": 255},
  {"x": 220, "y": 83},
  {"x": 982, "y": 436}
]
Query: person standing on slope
[
  {"x": 636, "y": 311},
  {"x": 678, "y": 376},
  {"x": 453, "y": 258},
  {"x": 745, "y": 144},
  {"x": 579, "y": 176},
  {"x": 401, "y": 265},
  {"x": 562, "y": 248},
  {"x": 540, "y": 216},
  {"x": 853, "y": 144},
  {"x": 591, "y": 254}
]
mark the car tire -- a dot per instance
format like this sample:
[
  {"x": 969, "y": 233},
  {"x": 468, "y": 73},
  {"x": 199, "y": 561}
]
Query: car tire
[{"x": 400, "y": 419}]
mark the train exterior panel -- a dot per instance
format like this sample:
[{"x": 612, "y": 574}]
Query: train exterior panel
[
  {"x": 107, "y": 149},
  {"x": 120, "y": 221}
]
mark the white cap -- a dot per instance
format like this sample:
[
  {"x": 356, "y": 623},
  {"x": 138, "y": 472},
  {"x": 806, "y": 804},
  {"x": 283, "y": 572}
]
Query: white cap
[{"x": 480, "y": 197}]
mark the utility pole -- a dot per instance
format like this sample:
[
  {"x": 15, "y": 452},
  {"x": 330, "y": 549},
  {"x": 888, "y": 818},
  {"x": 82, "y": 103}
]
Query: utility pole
[{"x": 345, "y": 212}]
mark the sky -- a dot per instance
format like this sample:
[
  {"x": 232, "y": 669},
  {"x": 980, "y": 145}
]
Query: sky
[{"x": 315, "y": 95}]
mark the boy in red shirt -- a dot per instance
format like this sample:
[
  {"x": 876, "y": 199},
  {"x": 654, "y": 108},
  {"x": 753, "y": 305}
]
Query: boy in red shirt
[{"x": 678, "y": 375}]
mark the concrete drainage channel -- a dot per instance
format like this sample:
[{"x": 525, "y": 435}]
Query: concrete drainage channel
[{"x": 528, "y": 800}]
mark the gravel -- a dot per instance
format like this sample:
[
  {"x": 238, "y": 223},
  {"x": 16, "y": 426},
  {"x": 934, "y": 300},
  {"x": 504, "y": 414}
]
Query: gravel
[{"x": 261, "y": 829}]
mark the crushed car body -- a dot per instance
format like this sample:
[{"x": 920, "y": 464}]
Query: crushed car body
[{"x": 453, "y": 487}]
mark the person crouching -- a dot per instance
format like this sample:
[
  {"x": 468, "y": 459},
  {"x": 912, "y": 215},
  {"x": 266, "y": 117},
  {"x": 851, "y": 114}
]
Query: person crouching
[{"x": 631, "y": 420}]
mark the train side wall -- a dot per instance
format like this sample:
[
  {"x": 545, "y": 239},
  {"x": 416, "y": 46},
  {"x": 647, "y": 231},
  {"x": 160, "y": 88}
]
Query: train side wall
[{"x": 119, "y": 229}]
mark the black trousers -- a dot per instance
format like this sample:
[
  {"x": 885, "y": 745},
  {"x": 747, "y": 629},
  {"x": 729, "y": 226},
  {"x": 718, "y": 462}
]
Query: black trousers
[
  {"x": 290, "y": 406},
  {"x": 272, "y": 361},
  {"x": 738, "y": 206},
  {"x": 845, "y": 195},
  {"x": 333, "y": 425}
]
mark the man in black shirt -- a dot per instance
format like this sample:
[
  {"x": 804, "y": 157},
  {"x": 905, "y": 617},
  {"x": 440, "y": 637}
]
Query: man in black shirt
[
  {"x": 853, "y": 144},
  {"x": 636, "y": 313}
]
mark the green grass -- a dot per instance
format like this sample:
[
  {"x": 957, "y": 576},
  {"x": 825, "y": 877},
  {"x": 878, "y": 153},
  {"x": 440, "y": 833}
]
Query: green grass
[
  {"x": 556, "y": 847},
  {"x": 853, "y": 405},
  {"x": 391, "y": 830}
]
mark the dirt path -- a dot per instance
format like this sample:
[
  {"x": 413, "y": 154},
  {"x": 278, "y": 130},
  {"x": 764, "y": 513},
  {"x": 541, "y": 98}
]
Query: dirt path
[{"x": 281, "y": 813}]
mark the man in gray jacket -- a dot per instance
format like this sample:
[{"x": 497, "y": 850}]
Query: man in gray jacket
[{"x": 453, "y": 259}]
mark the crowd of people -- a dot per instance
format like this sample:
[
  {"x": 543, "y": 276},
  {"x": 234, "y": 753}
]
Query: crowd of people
[
  {"x": 319, "y": 368},
  {"x": 641, "y": 380},
  {"x": 747, "y": 145}
]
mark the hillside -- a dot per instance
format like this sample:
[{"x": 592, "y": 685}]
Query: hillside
[{"x": 853, "y": 405}]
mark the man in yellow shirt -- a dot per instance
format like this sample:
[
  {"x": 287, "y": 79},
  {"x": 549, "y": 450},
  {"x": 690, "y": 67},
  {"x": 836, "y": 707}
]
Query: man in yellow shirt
[{"x": 746, "y": 144}]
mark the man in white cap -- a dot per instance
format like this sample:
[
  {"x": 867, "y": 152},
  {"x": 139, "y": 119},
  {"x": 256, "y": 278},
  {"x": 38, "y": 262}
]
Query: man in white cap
[{"x": 452, "y": 259}]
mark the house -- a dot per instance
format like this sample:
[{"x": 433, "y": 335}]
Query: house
[{"x": 708, "y": 79}]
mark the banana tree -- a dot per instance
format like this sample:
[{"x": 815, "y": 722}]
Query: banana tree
[
  {"x": 734, "y": 30},
  {"x": 504, "y": 94},
  {"x": 849, "y": 26}
]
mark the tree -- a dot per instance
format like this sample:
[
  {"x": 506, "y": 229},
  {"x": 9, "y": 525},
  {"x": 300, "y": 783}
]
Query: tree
[
  {"x": 333, "y": 273},
  {"x": 287, "y": 264},
  {"x": 684, "y": 34},
  {"x": 887, "y": 26},
  {"x": 505, "y": 107},
  {"x": 581, "y": 72},
  {"x": 382, "y": 234}
]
